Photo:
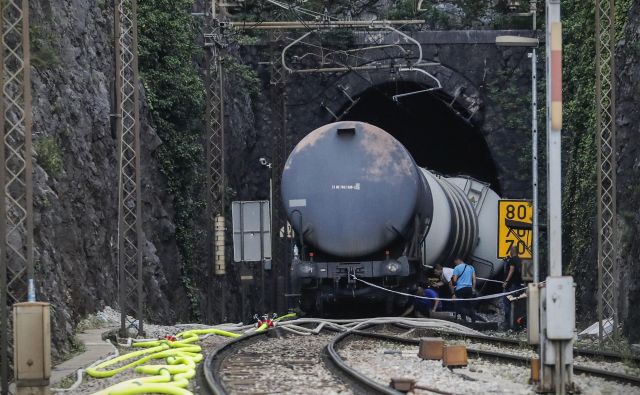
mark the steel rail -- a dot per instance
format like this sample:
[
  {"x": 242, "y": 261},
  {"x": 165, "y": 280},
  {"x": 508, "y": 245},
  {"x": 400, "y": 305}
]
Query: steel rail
[
  {"x": 214, "y": 360},
  {"x": 357, "y": 378},
  {"x": 358, "y": 383},
  {"x": 620, "y": 377},
  {"x": 612, "y": 356}
]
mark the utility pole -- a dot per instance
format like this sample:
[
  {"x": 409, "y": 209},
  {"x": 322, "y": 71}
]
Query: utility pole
[
  {"x": 214, "y": 120},
  {"x": 17, "y": 282},
  {"x": 131, "y": 297},
  {"x": 279, "y": 156},
  {"x": 608, "y": 271},
  {"x": 558, "y": 294}
]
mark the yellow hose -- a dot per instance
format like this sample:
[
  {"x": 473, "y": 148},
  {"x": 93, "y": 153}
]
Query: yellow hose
[
  {"x": 286, "y": 316},
  {"x": 181, "y": 357}
]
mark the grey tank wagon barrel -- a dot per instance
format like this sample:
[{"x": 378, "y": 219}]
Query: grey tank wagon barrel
[{"x": 361, "y": 207}]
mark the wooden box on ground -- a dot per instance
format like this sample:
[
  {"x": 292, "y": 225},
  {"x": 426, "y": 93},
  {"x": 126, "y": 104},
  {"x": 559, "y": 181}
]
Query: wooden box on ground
[
  {"x": 402, "y": 384},
  {"x": 431, "y": 348},
  {"x": 454, "y": 356}
]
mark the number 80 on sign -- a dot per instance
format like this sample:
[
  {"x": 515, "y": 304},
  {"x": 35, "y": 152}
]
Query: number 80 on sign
[{"x": 515, "y": 218}]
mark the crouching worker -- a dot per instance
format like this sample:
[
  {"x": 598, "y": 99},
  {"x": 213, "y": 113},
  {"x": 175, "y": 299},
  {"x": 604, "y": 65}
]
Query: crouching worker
[
  {"x": 422, "y": 308},
  {"x": 444, "y": 286}
]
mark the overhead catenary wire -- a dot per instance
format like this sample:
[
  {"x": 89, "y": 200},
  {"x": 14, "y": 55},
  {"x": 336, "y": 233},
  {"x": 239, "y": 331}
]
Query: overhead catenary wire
[{"x": 348, "y": 69}]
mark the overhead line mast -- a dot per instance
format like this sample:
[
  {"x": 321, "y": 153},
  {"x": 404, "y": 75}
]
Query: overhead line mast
[
  {"x": 130, "y": 284},
  {"x": 216, "y": 180},
  {"x": 17, "y": 282},
  {"x": 608, "y": 271}
]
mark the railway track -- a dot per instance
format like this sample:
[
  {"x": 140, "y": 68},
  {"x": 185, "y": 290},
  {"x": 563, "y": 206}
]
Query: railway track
[
  {"x": 243, "y": 365},
  {"x": 501, "y": 341},
  {"x": 272, "y": 362},
  {"x": 502, "y": 356},
  {"x": 281, "y": 362}
]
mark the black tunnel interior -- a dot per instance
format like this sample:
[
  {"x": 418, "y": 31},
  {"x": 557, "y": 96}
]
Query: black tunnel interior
[{"x": 437, "y": 137}]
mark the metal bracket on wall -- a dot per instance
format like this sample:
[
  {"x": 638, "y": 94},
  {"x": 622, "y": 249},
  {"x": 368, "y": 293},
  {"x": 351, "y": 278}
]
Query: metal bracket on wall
[
  {"x": 300, "y": 39},
  {"x": 131, "y": 297}
]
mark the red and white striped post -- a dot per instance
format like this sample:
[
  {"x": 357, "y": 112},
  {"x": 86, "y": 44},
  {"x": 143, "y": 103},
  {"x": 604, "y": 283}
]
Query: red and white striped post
[{"x": 557, "y": 314}]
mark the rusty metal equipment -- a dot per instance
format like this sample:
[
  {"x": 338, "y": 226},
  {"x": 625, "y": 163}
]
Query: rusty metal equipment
[
  {"x": 535, "y": 370},
  {"x": 454, "y": 356},
  {"x": 402, "y": 384},
  {"x": 431, "y": 348}
]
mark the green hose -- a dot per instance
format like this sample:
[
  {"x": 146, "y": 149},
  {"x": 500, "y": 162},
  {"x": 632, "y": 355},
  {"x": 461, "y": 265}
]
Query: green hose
[{"x": 181, "y": 357}]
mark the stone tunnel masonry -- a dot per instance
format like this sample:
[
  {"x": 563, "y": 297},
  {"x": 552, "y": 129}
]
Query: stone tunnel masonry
[{"x": 488, "y": 85}]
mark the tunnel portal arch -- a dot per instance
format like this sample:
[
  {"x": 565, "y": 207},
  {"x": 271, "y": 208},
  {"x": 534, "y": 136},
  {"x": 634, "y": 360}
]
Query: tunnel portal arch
[{"x": 438, "y": 135}]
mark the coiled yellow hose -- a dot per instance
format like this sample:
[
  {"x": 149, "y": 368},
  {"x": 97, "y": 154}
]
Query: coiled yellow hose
[{"x": 181, "y": 358}]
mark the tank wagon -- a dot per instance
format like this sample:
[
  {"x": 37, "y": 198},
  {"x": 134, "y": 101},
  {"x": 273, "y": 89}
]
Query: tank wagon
[{"x": 361, "y": 206}]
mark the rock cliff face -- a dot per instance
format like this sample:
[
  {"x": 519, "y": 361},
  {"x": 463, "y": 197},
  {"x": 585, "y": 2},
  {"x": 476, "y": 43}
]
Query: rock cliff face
[
  {"x": 75, "y": 189},
  {"x": 628, "y": 147},
  {"x": 76, "y": 202}
]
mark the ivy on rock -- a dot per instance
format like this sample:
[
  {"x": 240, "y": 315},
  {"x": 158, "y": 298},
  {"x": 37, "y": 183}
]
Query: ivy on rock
[{"x": 175, "y": 94}]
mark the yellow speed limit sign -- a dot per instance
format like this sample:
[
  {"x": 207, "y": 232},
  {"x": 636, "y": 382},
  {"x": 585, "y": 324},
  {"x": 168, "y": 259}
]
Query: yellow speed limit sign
[{"x": 515, "y": 218}]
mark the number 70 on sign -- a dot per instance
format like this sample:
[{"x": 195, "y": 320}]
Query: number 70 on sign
[{"x": 515, "y": 218}]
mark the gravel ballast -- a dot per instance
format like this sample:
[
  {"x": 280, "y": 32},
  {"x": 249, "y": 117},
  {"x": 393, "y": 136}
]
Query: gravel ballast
[
  {"x": 286, "y": 365},
  {"x": 481, "y": 376}
]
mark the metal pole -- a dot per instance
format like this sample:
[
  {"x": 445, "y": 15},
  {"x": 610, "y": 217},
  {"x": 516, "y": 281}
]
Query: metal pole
[
  {"x": 556, "y": 344},
  {"x": 608, "y": 275},
  {"x": 4, "y": 311},
  {"x": 554, "y": 127},
  {"x": 215, "y": 144},
  {"x": 28, "y": 163},
  {"x": 222, "y": 180},
  {"x": 262, "y": 255},
  {"x": 599, "y": 172},
  {"x": 136, "y": 131},
  {"x": 16, "y": 261},
  {"x": 284, "y": 266},
  {"x": 271, "y": 225},
  {"x": 534, "y": 170},
  {"x": 129, "y": 182},
  {"x": 534, "y": 167},
  {"x": 122, "y": 285}
]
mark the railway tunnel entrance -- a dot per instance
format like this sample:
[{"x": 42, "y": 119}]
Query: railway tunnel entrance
[{"x": 436, "y": 136}]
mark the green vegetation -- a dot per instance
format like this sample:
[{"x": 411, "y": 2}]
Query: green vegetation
[
  {"x": 515, "y": 110},
  {"x": 43, "y": 53},
  {"x": 176, "y": 96},
  {"x": 515, "y": 107},
  {"x": 49, "y": 155},
  {"x": 579, "y": 203},
  {"x": 579, "y": 121},
  {"x": 245, "y": 73}
]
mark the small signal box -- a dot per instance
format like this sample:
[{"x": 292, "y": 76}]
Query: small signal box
[{"x": 32, "y": 347}]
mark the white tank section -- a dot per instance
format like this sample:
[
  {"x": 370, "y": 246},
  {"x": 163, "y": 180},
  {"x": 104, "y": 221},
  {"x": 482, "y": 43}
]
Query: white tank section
[
  {"x": 464, "y": 224},
  {"x": 438, "y": 238}
]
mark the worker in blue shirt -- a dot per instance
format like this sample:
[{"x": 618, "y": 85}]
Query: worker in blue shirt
[
  {"x": 423, "y": 307},
  {"x": 464, "y": 281}
]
